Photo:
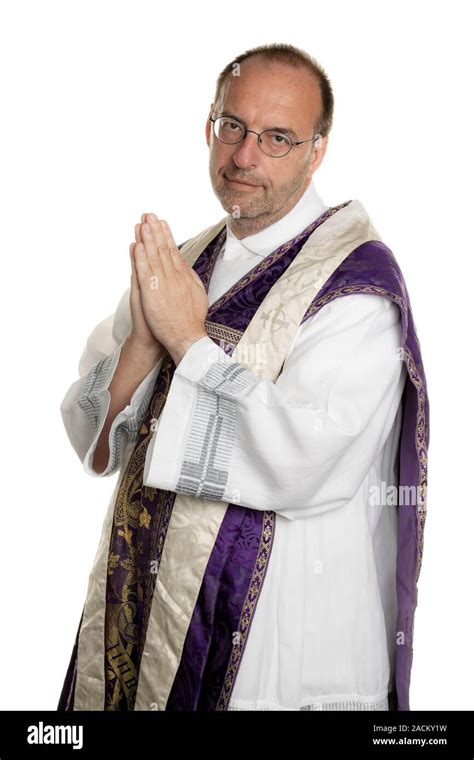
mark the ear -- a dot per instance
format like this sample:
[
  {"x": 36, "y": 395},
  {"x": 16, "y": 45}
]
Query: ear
[
  {"x": 317, "y": 155},
  {"x": 208, "y": 126}
]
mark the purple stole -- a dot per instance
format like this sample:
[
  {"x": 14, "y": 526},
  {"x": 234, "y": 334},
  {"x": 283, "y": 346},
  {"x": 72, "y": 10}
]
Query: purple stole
[{"x": 235, "y": 572}]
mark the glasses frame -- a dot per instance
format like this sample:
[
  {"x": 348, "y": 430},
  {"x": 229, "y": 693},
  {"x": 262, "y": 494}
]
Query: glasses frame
[{"x": 259, "y": 134}]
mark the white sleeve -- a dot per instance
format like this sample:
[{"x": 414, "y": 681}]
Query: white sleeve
[
  {"x": 86, "y": 403},
  {"x": 299, "y": 446}
]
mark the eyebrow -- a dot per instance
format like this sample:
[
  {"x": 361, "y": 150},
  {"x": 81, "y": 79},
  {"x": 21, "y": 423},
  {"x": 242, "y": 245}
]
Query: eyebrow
[{"x": 285, "y": 130}]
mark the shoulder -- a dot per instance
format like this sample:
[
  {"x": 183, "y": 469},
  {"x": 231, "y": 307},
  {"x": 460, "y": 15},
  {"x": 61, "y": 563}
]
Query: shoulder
[{"x": 350, "y": 311}]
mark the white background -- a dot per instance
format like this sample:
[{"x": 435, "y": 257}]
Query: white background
[{"x": 103, "y": 114}]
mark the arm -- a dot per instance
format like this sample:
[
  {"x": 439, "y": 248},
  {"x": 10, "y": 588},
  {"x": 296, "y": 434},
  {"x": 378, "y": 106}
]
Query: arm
[
  {"x": 88, "y": 404},
  {"x": 300, "y": 446},
  {"x": 135, "y": 364},
  {"x": 103, "y": 410}
]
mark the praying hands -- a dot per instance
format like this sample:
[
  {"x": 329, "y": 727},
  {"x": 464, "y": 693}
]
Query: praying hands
[{"x": 168, "y": 300}]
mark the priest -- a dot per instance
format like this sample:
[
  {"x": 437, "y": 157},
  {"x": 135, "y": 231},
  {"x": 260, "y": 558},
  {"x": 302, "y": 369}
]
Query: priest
[{"x": 255, "y": 388}]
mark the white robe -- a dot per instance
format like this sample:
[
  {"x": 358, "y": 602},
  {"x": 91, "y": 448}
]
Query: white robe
[{"x": 311, "y": 447}]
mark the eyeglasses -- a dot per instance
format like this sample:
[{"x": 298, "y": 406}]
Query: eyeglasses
[{"x": 273, "y": 143}]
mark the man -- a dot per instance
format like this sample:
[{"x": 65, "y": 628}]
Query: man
[{"x": 262, "y": 391}]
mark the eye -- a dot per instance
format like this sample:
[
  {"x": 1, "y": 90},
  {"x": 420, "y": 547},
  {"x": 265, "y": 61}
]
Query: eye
[
  {"x": 278, "y": 138},
  {"x": 230, "y": 124}
]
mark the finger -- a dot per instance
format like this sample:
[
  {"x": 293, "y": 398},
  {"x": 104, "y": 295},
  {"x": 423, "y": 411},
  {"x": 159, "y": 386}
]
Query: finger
[
  {"x": 163, "y": 251},
  {"x": 155, "y": 224},
  {"x": 150, "y": 247},
  {"x": 195, "y": 275},
  {"x": 167, "y": 234},
  {"x": 169, "y": 258},
  {"x": 137, "y": 233},
  {"x": 135, "y": 290},
  {"x": 132, "y": 262},
  {"x": 165, "y": 241},
  {"x": 167, "y": 261},
  {"x": 178, "y": 260},
  {"x": 157, "y": 227},
  {"x": 142, "y": 267}
]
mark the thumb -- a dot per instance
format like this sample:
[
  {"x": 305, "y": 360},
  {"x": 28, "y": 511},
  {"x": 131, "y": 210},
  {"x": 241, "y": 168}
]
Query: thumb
[{"x": 197, "y": 278}]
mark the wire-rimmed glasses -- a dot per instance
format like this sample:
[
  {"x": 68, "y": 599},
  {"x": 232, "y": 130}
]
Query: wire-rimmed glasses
[{"x": 272, "y": 142}]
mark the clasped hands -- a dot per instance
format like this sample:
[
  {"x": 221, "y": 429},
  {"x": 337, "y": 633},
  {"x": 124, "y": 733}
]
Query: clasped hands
[{"x": 168, "y": 300}]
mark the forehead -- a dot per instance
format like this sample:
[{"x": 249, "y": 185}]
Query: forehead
[{"x": 271, "y": 93}]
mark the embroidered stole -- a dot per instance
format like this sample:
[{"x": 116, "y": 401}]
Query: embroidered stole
[{"x": 148, "y": 638}]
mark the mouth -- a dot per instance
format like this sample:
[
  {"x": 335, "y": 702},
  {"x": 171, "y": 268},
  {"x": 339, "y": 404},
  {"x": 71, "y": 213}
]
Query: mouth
[{"x": 241, "y": 183}]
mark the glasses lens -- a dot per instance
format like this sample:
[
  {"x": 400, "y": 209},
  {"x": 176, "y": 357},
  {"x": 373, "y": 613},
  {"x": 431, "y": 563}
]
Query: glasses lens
[
  {"x": 275, "y": 143},
  {"x": 228, "y": 130}
]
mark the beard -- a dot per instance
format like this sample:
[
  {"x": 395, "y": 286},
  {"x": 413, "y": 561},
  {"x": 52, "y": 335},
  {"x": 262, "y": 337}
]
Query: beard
[{"x": 266, "y": 200}]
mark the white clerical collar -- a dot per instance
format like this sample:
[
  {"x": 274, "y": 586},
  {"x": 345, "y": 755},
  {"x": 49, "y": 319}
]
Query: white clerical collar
[{"x": 305, "y": 211}]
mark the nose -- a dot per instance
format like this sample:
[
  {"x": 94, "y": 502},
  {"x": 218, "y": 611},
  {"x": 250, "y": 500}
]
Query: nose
[{"x": 247, "y": 152}]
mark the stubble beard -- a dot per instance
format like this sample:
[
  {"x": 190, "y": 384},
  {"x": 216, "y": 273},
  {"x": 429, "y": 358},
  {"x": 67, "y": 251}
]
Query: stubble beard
[{"x": 253, "y": 210}]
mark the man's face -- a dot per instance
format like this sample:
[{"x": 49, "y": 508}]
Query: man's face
[{"x": 265, "y": 96}]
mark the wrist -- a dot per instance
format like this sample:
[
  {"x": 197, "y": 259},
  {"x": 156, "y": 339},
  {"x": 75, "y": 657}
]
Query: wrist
[
  {"x": 151, "y": 351},
  {"x": 181, "y": 347}
]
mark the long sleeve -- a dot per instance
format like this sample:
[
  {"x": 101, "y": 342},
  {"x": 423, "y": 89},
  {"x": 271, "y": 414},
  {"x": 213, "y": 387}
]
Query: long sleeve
[
  {"x": 85, "y": 406},
  {"x": 299, "y": 446}
]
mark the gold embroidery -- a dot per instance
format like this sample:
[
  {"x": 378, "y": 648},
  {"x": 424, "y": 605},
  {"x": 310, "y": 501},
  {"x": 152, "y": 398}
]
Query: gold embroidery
[
  {"x": 221, "y": 332},
  {"x": 248, "y": 609},
  {"x": 120, "y": 630}
]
